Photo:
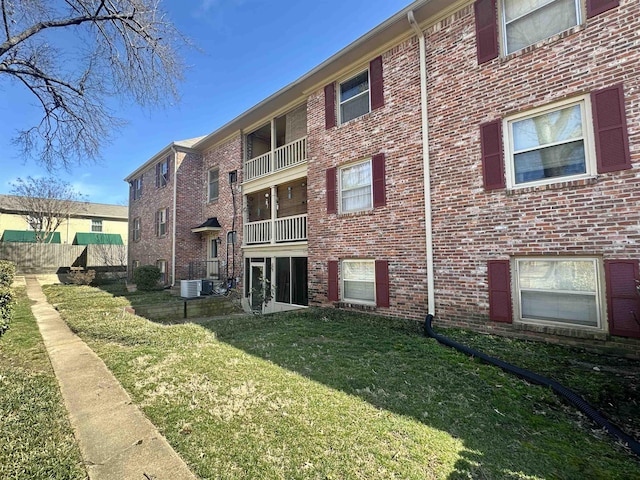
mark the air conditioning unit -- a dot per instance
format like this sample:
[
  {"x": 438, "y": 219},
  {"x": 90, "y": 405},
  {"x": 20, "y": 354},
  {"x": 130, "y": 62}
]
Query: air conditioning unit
[
  {"x": 190, "y": 288},
  {"x": 207, "y": 287}
]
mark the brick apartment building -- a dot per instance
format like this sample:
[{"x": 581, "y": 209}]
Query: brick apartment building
[{"x": 473, "y": 160}]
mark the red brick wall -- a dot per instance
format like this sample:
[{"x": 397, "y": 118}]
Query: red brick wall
[
  {"x": 596, "y": 217},
  {"x": 190, "y": 194},
  {"x": 394, "y": 232},
  {"x": 226, "y": 157},
  {"x": 151, "y": 248}
]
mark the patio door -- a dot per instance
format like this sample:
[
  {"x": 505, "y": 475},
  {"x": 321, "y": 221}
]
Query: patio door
[{"x": 257, "y": 293}]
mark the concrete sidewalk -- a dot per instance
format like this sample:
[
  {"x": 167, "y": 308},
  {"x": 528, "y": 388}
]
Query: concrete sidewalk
[{"x": 116, "y": 440}]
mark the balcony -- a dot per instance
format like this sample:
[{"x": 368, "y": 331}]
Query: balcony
[
  {"x": 279, "y": 230},
  {"x": 293, "y": 153}
]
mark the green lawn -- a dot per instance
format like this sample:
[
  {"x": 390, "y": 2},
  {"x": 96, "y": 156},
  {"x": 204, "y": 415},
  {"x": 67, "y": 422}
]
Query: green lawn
[
  {"x": 36, "y": 441},
  {"x": 327, "y": 394}
]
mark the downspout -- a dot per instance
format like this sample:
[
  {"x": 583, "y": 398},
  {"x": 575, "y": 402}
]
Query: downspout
[
  {"x": 175, "y": 201},
  {"x": 431, "y": 298}
]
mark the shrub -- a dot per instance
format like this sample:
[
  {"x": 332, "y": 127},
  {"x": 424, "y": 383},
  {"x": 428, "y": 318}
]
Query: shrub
[
  {"x": 7, "y": 303},
  {"x": 147, "y": 277},
  {"x": 7, "y": 272},
  {"x": 79, "y": 277}
]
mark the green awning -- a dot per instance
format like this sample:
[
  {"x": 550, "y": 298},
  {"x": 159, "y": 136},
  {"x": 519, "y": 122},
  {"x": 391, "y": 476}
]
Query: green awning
[
  {"x": 98, "y": 239},
  {"x": 27, "y": 236}
]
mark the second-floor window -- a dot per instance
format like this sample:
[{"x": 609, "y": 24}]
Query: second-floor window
[
  {"x": 354, "y": 97},
  {"x": 136, "y": 229},
  {"x": 96, "y": 225},
  {"x": 161, "y": 222},
  {"x": 550, "y": 145},
  {"x": 214, "y": 183},
  {"x": 356, "y": 187},
  {"x": 526, "y": 22}
]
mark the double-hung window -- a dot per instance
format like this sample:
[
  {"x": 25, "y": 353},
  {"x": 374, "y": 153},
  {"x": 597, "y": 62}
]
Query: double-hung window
[
  {"x": 96, "y": 225},
  {"x": 214, "y": 184},
  {"x": 161, "y": 222},
  {"x": 356, "y": 187},
  {"x": 559, "y": 290},
  {"x": 162, "y": 173},
  {"x": 550, "y": 145},
  {"x": 526, "y": 22},
  {"x": 136, "y": 229},
  {"x": 136, "y": 187},
  {"x": 354, "y": 97},
  {"x": 359, "y": 280}
]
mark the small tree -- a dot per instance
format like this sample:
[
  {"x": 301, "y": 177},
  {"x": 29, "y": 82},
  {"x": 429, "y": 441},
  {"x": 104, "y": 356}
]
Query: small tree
[{"x": 45, "y": 203}]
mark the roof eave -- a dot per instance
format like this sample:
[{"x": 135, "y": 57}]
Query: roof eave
[{"x": 393, "y": 28}]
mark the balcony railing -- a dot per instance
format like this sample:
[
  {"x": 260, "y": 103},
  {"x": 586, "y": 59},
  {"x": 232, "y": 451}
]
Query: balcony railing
[
  {"x": 291, "y": 229},
  {"x": 287, "y": 229},
  {"x": 257, "y": 232},
  {"x": 282, "y": 157}
]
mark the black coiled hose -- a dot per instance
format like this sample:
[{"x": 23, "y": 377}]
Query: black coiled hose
[{"x": 561, "y": 390}]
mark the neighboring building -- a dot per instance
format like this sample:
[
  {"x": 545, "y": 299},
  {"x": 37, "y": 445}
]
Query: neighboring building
[
  {"x": 166, "y": 199},
  {"x": 88, "y": 223},
  {"x": 507, "y": 203}
]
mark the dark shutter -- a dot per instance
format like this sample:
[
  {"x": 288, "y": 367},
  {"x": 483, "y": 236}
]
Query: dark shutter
[
  {"x": 332, "y": 290},
  {"x": 132, "y": 191},
  {"x": 610, "y": 125},
  {"x": 377, "y": 86},
  {"x": 499, "y": 291},
  {"x": 379, "y": 194},
  {"x": 492, "y": 157},
  {"x": 157, "y": 175},
  {"x": 168, "y": 168},
  {"x": 382, "y": 283},
  {"x": 141, "y": 185},
  {"x": 330, "y": 106},
  {"x": 486, "y": 29},
  {"x": 332, "y": 204},
  {"x": 623, "y": 300},
  {"x": 596, "y": 7}
]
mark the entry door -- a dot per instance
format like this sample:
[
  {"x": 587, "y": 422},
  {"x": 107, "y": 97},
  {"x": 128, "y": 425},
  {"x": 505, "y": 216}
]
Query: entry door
[
  {"x": 212, "y": 258},
  {"x": 257, "y": 287}
]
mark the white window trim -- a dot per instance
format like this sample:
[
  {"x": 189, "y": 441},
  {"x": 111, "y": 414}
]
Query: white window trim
[
  {"x": 588, "y": 136},
  {"x": 163, "y": 180},
  {"x": 599, "y": 296},
  {"x": 343, "y": 297},
  {"x": 97, "y": 223},
  {"x": 344, "y": 167},
  {"x": 136, "y": 229},
  {"x": 580, "y": 16},
  {"x": 162, "y": 220},
  {"x": 209, "y": 197},
  {"x": 339, "y": 95}
]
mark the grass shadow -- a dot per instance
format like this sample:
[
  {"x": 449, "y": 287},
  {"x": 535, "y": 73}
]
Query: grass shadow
[{"x": 510, "y": 429}]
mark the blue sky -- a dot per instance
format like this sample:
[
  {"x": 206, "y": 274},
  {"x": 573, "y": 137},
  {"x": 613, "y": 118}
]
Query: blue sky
[{"x": 247, "y": 50}]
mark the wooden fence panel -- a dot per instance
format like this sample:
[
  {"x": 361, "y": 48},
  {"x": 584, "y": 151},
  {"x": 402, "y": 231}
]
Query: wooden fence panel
[{"x": 50, "y": 257}]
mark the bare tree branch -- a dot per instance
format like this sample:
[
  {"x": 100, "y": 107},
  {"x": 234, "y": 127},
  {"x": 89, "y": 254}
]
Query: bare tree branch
[{"x": 129, "y": 50}]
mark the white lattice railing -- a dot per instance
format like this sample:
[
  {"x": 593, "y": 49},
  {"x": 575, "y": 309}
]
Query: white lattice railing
[
  {"x": 257, "y": 232},
  {"x": 282, "y": 157},
  {"x": 291, "y": 229}
]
